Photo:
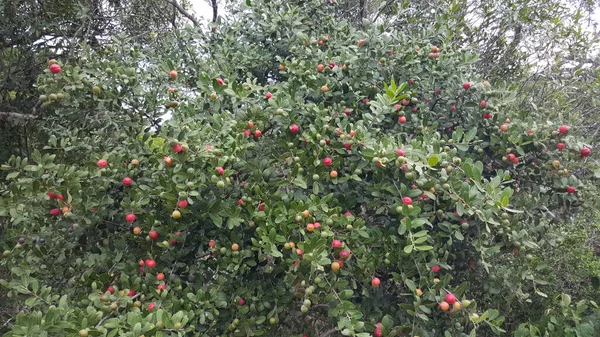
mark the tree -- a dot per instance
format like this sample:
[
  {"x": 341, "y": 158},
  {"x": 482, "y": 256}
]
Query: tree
[{"x": 313, "y": 178}]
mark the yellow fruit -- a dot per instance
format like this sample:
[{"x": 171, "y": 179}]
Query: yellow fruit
[
  {"x": 419, "y": 292},
  {"x": 335, "y": 266},
  {"x": 176, "y": 214},
  {"x": 457, "y": 306}
]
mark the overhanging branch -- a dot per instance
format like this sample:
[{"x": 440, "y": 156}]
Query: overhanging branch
[
  {"x": 15, "y": 115},
  {"x": 184, "y": 12}
]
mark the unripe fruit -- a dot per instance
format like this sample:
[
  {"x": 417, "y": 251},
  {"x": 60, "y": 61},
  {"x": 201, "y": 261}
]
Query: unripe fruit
[
  {"x": 335, "y": 266},
  {"x": 176, "y": 214},
  {"x": 444, "y": 306}
]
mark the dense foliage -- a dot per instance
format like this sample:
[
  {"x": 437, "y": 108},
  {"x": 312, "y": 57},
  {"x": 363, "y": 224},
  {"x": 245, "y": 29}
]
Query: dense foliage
[{"x": 290, "y": 173}]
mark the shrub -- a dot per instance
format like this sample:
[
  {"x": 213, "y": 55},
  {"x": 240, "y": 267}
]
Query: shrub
[{"x": 236, "y": 223}]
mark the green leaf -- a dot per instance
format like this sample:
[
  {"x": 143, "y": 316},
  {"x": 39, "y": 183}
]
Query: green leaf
[
  {"x": 300, "y": 182},
  {"x": 387, "y": 322},
  {"x": 433, "y": 160}
]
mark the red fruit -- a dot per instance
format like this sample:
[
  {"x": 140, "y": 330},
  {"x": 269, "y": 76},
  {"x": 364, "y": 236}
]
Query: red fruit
[
  {"x": 483, "y": 104},
  {"x": 130, "y": 217},
  {"x": 317, "y": 225},
  {"x": 182, "y": 203},
  {"x": 563, "y": 129},
  {"x": 344, "y": 254},
  {"x": 241, "y": 302},
  {"x": 51, "y": 195},
  {"x": 401, "y": 119},
  {"x": 336, "y": 244},
  {"x": 411, "y": 82},
  {"x": 268, "y": 96},
  {"x": 220, "y": 81},
  {"x": 366, "y": 100},
  {"x": 415, "y": 108},
  {"x": 153, "y": 235},
  {"x": 375, "y": 282},
  {"x": 466, "y": 85},
  {"x": 161, "y": 287},
  {"x": 177, "y": 148},
  {"x": 261, "y": 206},
  {"x": 141, "y": 263},
  {"x": 131, "y": 293},
  {"x": 111, "y": 289},
  {"x": 560, "y": 146},
  {"x": 347, "y": 111},
  {"x": 294, "y": 128},
  {"x": 347, "y": 214},
  {"x": 571, "y": 190},
  {"x": 60, "y": 197},
  {"x": 450, "y": 298},
  {"x": 331, "y": 65},
  {"x": 328, "y": 141},
  {"x": 585, "y": 152},
  {"x": 487, "y": 115},
  {"x": 398, "y": 107},
  {"x": 55, "y": 211},
  {"x": 435, "y": 269},
  {"x": 55, "y": 68},
  {"x": 243, "y": 184},
  {"x": 127, "y": 181},
  {"x": 240, "y": 202},
  {"x": 437, "y": 91},
  {"x": 102, "y": 163},
  {"x": 327, "y": 161},
  {"x": 257, "y": 133},
  {"x": 453, "y": 108},
  {"x": 348, "y": 146},
  {"x": 150, "y": 263},
  {"x": 400, "y": 152},
  {"x": 247, "y": 133},
  {"x": 151, "y": 306},
  {"x": 220, "y": 170},
  {"x": 378, "y": 332},
  {"x": 407, "y": 201}
]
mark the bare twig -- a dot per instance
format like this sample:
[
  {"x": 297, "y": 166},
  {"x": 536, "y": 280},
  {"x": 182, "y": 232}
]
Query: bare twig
[{"x": 184, "y": 12}]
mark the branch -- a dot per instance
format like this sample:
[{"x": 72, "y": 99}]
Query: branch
[
  {"x": 329, "y": 332},
  {"x": 214, "y": 7},
  {"x": 184, "y": 12},
  {"x": 15, "y": 115}
]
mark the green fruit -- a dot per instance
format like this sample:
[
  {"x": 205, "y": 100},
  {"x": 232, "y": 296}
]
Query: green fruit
[
  {"x": 221, "y": 184},
  {"x": 53, "y": 97},
  {"x": 273, "y": 320},
  {"x": 43, "y": 98},
  {"x": 83, "y": 333}
]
